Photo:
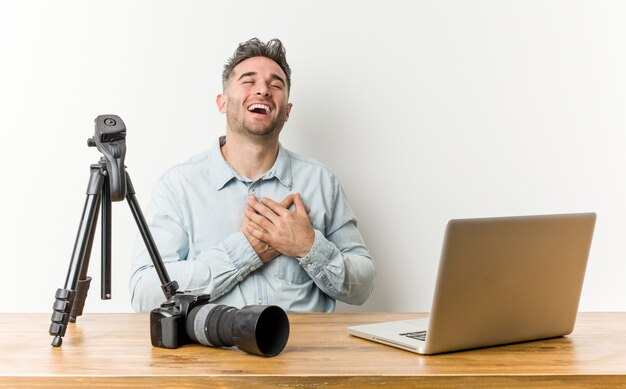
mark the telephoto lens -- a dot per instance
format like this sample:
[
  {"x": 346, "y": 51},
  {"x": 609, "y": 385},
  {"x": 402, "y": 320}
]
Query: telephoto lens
[{"x": 256, "y": 329}]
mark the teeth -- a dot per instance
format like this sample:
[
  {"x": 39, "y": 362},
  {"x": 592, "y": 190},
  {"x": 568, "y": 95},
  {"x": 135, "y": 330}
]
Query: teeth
[{"x": 264, "y": 107}]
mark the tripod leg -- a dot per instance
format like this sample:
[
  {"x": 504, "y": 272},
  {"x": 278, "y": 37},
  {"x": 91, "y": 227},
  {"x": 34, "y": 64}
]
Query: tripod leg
[
  {"x": 105, "y": 268},
  {"x": 84, "y": 281},
  {"x": 169, "y": 287},
  {"x": 64, "y": 298}
]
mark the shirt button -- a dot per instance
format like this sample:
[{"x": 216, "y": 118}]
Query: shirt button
[
  {"x": 260, "y": 301},
  {"x": 251, "y": 268}
]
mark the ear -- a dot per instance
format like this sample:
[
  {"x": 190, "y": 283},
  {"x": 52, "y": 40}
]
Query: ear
[
  {"x": 288, "y": 111},
  {"x": 221, "y": 102}
]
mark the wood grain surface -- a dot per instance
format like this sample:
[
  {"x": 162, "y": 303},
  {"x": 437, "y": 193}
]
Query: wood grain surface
[{"x": 114, "y": 350}]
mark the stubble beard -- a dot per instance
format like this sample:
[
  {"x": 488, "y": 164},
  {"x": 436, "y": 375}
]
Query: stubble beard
[{"x": 269, "y": 132}]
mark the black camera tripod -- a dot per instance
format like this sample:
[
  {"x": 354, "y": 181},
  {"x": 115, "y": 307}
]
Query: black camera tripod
[{"x": 108, "y": 182}]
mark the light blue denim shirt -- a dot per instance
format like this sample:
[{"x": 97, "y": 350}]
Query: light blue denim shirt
[{"x": 195, "y": 217}]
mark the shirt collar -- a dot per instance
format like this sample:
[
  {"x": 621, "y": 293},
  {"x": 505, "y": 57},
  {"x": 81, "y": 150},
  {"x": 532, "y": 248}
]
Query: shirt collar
[
  {"x": 223, "y": 173},
  {"x": 281, "y": 168}
]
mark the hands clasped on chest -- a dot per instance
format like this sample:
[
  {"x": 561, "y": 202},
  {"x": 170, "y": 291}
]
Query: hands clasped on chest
[{"x": 272, "y": 229}]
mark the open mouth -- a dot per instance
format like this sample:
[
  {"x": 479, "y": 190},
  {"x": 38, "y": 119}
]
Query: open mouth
[{"x": 261, "y": 109}]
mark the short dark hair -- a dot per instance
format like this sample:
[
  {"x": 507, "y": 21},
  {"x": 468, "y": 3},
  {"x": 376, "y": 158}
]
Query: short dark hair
[{"x": 273, "y": 50}]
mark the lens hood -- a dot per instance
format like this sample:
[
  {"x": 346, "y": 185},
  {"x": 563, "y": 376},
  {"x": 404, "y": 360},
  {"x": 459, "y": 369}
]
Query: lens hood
[{"x": 261, "y": 329}]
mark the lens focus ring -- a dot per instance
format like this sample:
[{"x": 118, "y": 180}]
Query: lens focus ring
[{"x": 199, "y": 327}]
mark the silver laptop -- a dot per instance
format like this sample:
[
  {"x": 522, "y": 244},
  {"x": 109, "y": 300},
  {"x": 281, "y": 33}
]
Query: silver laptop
[{"x": 501, "y": 280}]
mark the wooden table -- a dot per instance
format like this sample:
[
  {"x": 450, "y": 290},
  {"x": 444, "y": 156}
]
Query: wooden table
[{"x": 114, "y": 350}]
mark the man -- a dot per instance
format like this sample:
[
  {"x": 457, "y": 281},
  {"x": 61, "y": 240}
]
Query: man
[{"x": 232, "y": 222}]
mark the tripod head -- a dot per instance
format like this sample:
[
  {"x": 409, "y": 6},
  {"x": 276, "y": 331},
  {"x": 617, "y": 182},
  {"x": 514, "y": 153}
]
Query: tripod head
[{"x": 110, "y": 139}]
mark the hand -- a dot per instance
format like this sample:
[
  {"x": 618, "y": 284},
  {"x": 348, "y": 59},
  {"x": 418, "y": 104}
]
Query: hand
[
  {"x": 265, "y": 252},
  {"x": 290, "y": 233}
]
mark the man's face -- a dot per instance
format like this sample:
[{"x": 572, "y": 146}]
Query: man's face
[{"x": 255, "y": 98}]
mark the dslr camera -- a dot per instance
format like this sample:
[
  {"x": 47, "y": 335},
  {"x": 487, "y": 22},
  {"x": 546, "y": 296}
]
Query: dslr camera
[{"x": 190, "y": 318}]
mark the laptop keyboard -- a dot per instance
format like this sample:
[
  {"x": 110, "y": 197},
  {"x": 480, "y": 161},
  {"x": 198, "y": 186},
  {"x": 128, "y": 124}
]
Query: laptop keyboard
[{"x": 419, "y": 335}]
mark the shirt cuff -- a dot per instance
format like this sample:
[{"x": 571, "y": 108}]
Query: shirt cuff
[
  {"x": 319, "y": 255},
  {"x": 241, "y": 253}
]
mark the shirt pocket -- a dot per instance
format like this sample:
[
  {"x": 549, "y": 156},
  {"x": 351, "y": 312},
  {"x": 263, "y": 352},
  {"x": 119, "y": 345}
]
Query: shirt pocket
[{"x": 289, "y": 270}]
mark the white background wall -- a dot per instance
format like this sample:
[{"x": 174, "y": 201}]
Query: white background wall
[{"x": 426, "y": 110}]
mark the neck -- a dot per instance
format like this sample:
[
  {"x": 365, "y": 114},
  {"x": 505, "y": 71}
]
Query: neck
[{"x": 248, "y": 157}]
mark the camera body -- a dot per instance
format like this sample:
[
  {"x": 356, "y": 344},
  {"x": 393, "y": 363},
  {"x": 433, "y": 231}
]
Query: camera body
[{"x": 167, "y": 323}]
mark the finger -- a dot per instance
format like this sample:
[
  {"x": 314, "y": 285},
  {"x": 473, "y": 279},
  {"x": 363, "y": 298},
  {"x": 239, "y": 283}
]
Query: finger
[
  {"x": 263, "y": 210},
  {"x": 245, "y": 219},
  {"x": 249, "y": 208},
  {"x": 270, "y": 210},
  {"x": 258, "y": 219},
  {"x": 287, "y": 201},
  {"x": 250, "y": 203},
  {"x": 255, "y": 225},
  {"x": 274, "y": 206},
  {"x": 251, "y": 200},
  {"x": 262, "y": 236},
  {"x": 253, "y": 241},
  {"x": 301, "y": 209}
]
